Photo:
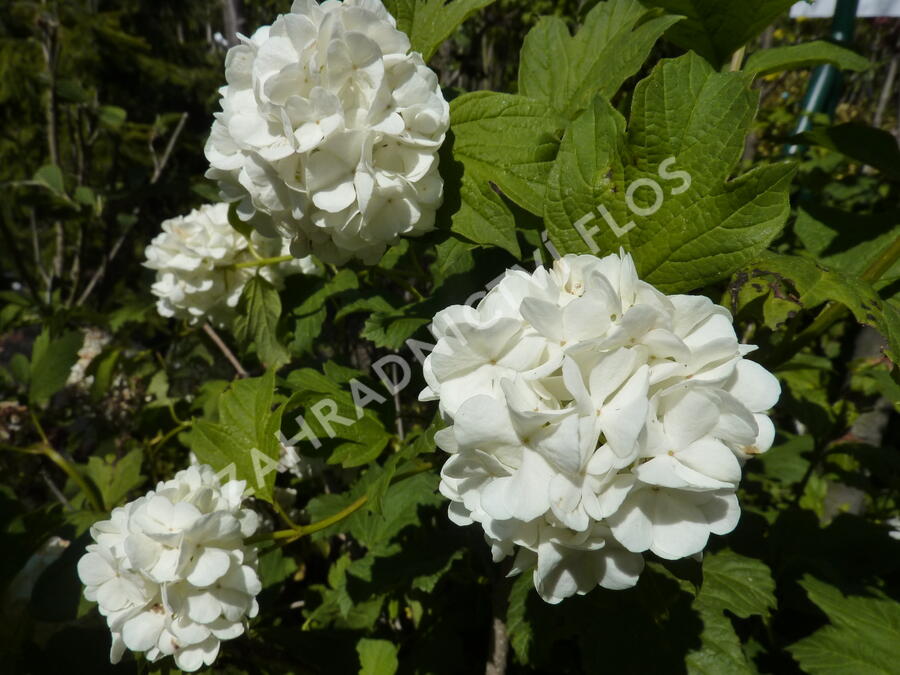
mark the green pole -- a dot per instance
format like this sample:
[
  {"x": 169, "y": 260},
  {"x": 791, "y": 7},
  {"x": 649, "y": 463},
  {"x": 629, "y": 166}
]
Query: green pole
[{"x": 824, "y": 89}]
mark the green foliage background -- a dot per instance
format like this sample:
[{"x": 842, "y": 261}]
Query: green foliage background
[{"x": 104, "y": 109}]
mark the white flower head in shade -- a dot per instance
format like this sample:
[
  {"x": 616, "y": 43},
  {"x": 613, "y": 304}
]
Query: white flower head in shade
[
  {"x": 592, "y": 419},
  {"x": 329, "y": 131},
  {"x": 95, "y": 339},
  {"x": 194, "y": 257},
  {"x": 170, "y": 570},
  {"x": 894, "y": 524}
]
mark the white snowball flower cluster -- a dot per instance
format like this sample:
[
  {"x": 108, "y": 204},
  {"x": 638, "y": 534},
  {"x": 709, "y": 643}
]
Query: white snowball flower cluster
[
  {"x": 594, "y": 418},
  {"x": 329, "y": 131},
  {"x": 194, "y": 258},
  {"x": 170, "y": 571}
]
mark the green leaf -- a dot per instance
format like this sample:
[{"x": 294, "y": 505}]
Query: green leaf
[
  {"x": 51, "y": 362},
  {"x": 20, "y": 368},
  {"x": 816, "y": 53},
  {"x": 331, "y": 413},
  {"x": 103, "y": 369},
  {"x": 380, "y": 486},
  {"x": 846, "y": 241},
  {"x": 510, "y": 141},
  {"x": 862, "y": 637},
  {"x": 427, "y": 582},
  {"x": 246, "y": 404},
  {"x": 394, "y": 254},
  {"x": 861, "y": 142},
  {"x": 720, "y": 652},
  {"x": 243, "y": 445},
  {"x": 50, "y": 176},
  {"x": 115, "y": 478},
  {"x": 375, "y": 530},
  {"x": 483, "y": 217},
  {"x": 390, "y": 330},
  {"x": 260, "y": 310},
  {"x": 715, "y": 29},
  {"x": 371, "y": 442},
  {"x": 401, "y": 509},
  {"x": 744, "y": 586},
  {"x": 112, "y": 117},
  {"x": 214, "y": 445},
  {"x": 692, "y": 226},
  {"x": 452, "y": 256},
  {"x": 519, "y": 629},
  {"x": 275, "y": 567},
  {"x": 310, "y": 313},
  {"x": 133, "y": 311},
  {"x": 816, "y": 285},
  {"x": 375, "y": 303},
  {"x": 416, "y": 444},
  {"x": 429, "y": 22},
  {"x": 377, "y": 657},
  {"x": 338, "y": 607},
  {"x": 85, "y": 196},
  {"x": 158, "y": 390},
  {"x": 568, "y": 72},
  {"x": 888, "y": 387},
  {"x": 785, "y": 462}
]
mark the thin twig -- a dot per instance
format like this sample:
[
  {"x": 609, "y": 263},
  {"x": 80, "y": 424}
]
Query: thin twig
[
  {"x": 63, "y": 463},
  {"x": 160, "y": 440},
  {"x": 233, "y": 19},
  {"x": 77, "y": 135},
  {"x": 214, "y": 336},
  {"x": 35, "y": 244},
  {"x": 398, "y": 412},
  {"x": 59, "y": 249},
  {"x": 56, "y": 491},
  {"x": 49, "y": 46},
  {"x": 75, "y": 274},
  {"x": 499, "y": 649},
  {"x": 161, "y": 165},
  {"x": 101, "y": 270},
  {"x": 886, "y": 91},
  {"x": 279, "y": 509}
]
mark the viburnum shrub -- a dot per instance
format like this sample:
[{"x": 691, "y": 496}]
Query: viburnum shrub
[{"x": 433, "y": 378}]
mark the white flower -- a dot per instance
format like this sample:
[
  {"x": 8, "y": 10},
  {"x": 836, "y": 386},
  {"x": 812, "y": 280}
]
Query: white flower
[
  {"x": 194, "y": 258},
  {"x": 95, "y": 339},
  {"x": 329, "y": 131},
  {"x": 301, "y": 466},
  {"x": 170, "y": 570},
  {"x": 592, "y": 419},
  {"x": 894, "y": 524}
]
